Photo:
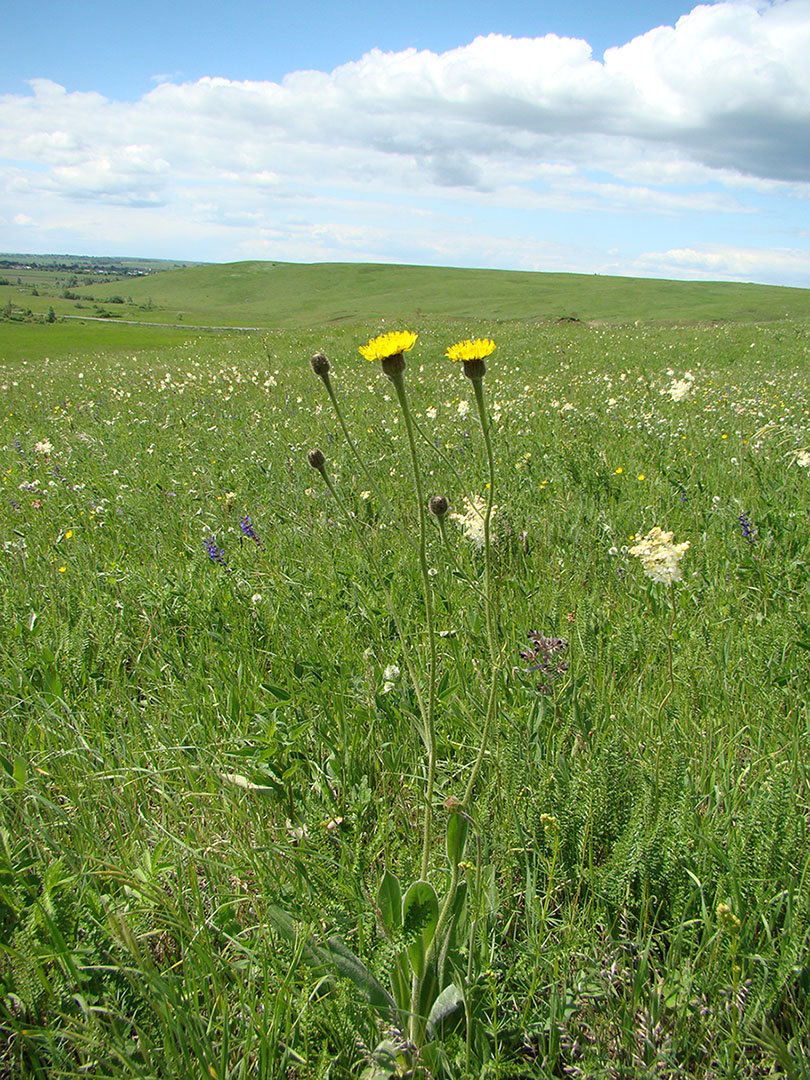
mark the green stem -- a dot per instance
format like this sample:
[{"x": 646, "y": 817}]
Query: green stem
[
  {"x": 488, "y": 593},
  {"x": 327, "y": 382},
  {"x": 459, "y": 569},
  {"x": 398, "y": 381},
  {"x": 542, "y": 931},
  {"x": 665, "y": 698},
  {"x": 389, "y": 601},
  {"x": 482, "y": 749},
  {"x": 478, "y": 386},
  {"x": 444, "y": 915}
]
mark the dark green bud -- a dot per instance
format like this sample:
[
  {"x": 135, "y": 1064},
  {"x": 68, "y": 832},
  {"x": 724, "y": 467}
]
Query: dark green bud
[{"x": 320, "y": 364}]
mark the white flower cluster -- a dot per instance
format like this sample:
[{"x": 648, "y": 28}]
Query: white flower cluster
[
  {"x": 681, "y": 388},
  {"x": 660, "y": 558},
  {"x": 390, "y": 676},
  {"x": 803, "y": 459},
  {"x": 472, "y": 522}
]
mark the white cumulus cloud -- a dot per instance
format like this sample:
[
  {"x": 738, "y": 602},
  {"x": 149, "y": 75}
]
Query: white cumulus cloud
[{"x": 683, "y": 119}]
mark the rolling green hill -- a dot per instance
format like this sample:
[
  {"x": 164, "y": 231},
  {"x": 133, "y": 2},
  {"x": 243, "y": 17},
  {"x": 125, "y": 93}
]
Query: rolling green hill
[
  {"x": 273, "y": 295},
  {"x": 295, "y": 295}
]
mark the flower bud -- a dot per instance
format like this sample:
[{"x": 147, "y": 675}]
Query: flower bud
[
  {"x": 320, "y": 363},
  {"x": 438, "y": 506},
  {"x": 316, "y": 459},
  {"x": 393, "y": 365},
  {"x": 474, "y": 369}
]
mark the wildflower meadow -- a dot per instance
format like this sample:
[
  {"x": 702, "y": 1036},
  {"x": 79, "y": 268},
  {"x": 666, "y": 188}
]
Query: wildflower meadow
[{"x": 426, "y": 700}]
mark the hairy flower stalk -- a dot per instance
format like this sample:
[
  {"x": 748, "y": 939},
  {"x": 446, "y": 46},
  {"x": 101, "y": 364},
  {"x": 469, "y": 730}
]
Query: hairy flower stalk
[
  {"x": 321, "y": 366},
  {"x": 472, "y": 354},
  {"x": 390, "y": 350}
]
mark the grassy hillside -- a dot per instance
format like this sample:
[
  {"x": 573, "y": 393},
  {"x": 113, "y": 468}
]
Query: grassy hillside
[
  {"x": 290, "y": 295},
  {"x": 286, "y": 295},
  {"x": 76, "y": 338}
]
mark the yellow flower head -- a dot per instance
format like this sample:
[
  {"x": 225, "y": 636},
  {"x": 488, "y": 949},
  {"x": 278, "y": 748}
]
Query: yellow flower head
[
  {"x": 386, "y": 345},
  {"x": 471, "y": 350}
]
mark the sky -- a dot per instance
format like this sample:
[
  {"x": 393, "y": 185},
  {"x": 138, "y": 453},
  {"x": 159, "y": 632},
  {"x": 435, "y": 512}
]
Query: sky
[{"x": 650, "y": 139}]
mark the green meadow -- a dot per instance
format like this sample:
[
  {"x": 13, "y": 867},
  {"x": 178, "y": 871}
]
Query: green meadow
[
  {"x": 298, "y": 780},
  {"x": 296, "y": 296}
]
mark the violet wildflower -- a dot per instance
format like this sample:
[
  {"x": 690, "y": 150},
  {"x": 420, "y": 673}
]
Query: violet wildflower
[
  {"x": 246, "y": 525},
  {"x": 748, "y": 530},
  {"x": 215, "y": 554}
]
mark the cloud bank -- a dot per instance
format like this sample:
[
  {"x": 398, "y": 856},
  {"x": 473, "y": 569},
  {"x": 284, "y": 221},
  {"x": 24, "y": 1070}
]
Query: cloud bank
[{"x": 407, "y": 155}]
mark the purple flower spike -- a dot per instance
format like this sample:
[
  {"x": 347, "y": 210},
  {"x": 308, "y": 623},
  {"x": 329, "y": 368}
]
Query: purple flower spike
[
  {"x": 215, "y": 554},
  {"x": 246, "y": 525}
]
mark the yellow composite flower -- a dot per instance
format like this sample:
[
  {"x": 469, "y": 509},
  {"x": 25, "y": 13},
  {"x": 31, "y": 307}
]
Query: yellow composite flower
[
  {"x": 471, "y": 350},
  {"x": 391, "y": 344}
]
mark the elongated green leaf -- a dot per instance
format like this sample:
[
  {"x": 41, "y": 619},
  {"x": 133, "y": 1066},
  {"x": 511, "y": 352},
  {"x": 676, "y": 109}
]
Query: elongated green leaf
[
  {"x": 456, "y": 841},
  {"x": 285, "y": 925},
  {"x": 352, "y": 967},
  {"x": 445, "y": 1005},
  {"x": 389, "y": 901},
  {"x": 400, "y": 978},
  {"x": 383, "y": 1062},
  {"x": 247, "y": 785},
  {"x": 456, "y": 933},
  {"x": 420, "y": 914}
]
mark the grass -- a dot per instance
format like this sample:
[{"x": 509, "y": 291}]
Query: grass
[
  {"x": 38, "y": 341},
  {"x": 190, "y": 745},
  {"x": 297, "y": 296}
]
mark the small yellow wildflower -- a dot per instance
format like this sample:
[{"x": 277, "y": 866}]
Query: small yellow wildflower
[
  {"x": 380, "y": 348},
  {"x": 471, "y": 349},
  {"x": 619, "y": 471},
  {"x": 62, "y": 569},
  {"x": 641, "y": 476},
  {"x": 727, "y": 918},
  {"x": 68, "y": 534}
]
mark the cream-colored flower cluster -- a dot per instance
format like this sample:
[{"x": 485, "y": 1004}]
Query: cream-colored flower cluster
[
  {"x": 680, "y": 389},
  {"x": 472, "y": 521},
  {"x": 660, "y": 558}
]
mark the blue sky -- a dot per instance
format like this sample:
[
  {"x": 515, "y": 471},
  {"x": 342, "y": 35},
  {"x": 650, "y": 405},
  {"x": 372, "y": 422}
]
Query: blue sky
[
  {"x": 650, "y": 139},
  {"x": 120, "y": 49}
]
